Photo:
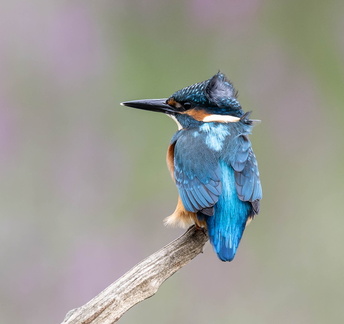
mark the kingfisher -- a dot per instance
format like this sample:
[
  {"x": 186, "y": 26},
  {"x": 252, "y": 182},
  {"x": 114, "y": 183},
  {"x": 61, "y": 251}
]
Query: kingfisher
[{"x": 211, "y": 161}]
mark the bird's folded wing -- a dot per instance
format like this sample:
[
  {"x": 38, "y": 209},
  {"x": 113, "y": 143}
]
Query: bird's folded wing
[
  {"x": 197, "y": 174},
  {"x": 247, "y": 179}
]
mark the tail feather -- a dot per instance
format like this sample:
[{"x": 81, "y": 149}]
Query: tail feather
[
  {"x": 226, "y": 226},
  {"x": 224, "y": 239}
]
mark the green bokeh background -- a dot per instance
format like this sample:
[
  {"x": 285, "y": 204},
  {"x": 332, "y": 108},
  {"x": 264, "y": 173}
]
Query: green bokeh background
[{"x": 83, "y": 182}]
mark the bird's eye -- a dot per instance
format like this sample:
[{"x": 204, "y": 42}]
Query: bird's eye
[{"x": 187, "y": 105}]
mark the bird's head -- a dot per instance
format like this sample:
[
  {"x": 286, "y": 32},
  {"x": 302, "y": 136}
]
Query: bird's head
[{"x": 213, "y": 100}]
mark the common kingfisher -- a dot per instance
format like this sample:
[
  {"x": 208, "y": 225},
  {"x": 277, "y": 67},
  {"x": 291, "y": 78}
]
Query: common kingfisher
[{"x": 211, "y": 161}]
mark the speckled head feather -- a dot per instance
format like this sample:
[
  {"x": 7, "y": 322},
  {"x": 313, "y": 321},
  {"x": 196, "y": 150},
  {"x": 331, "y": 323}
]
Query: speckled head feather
[{"x": 217, "y": 94}]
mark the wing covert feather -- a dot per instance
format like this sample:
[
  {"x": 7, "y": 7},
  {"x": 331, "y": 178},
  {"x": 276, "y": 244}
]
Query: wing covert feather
[{"x": 196, "y": 172}]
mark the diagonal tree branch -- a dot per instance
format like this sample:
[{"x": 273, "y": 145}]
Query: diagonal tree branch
[{"x": 141, "y": 282}]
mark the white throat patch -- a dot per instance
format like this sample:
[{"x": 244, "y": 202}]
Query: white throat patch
[{"x": 177, "y": 122}]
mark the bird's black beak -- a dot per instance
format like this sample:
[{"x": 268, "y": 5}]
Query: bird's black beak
[{"x": 158, "y": 105}]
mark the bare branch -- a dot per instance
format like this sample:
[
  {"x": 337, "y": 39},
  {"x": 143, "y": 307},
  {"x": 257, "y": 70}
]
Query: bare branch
[{"x": 141, "y": 282}]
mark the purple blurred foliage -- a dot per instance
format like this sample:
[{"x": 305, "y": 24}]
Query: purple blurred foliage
[
  {"x": 96, "y": 262},
  {"x": 223, "y": 14},
  {"x": 72, "y": 45}
]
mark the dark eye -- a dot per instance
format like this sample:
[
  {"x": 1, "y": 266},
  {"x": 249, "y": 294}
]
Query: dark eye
[{"x": 187, "y": 105}]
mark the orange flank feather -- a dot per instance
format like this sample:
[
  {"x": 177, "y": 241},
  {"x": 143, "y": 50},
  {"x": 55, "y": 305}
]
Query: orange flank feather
[
  {"x": 170, "y": 159},
  {"x": 182, "y": 217}
]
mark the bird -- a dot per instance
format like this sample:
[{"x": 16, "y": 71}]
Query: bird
[{"x": 211, "y": 161}]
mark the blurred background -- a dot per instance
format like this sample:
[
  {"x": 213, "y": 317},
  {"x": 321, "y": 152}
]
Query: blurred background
[{"x": 84, "y": 187}]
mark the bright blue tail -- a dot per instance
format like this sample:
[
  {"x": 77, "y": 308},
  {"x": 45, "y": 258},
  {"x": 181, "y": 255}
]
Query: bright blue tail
[{"x": 227, "y": 225}]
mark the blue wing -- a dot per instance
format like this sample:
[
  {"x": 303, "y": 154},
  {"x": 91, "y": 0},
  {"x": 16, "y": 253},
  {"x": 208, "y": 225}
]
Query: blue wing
[
  {"x": 247, "y": 179},
  {"x": 197, "y": 173}
]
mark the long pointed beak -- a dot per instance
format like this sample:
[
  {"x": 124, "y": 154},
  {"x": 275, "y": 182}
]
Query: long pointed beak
[{"x": 158, "y": 105}]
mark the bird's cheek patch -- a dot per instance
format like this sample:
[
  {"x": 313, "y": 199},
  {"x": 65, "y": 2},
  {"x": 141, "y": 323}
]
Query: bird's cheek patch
[{"x": 197, "y": 114}]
